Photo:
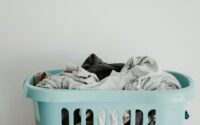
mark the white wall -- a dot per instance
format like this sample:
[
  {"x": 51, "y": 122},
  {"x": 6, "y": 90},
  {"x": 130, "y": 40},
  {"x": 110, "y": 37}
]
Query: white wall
[{"x": 45, "y": 34}]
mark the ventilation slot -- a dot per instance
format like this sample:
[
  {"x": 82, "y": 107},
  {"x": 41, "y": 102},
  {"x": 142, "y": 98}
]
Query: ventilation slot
[
  {"x": 89, "y": 117},
  {"x": 126, "y": 117},
  {"x": 65, "y": 116},
  {"x": 101, "y": 117},
  {"x": 77, "y": 116},
  {"x": 139, "y": 117},
  {"x": 152, "y": 117}
]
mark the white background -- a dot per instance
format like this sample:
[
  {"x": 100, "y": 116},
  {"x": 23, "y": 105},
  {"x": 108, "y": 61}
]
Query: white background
[{"x": 36, "y": 35}]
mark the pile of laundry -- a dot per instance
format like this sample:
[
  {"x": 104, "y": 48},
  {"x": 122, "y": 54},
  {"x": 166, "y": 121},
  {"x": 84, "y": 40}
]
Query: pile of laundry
[{"x": 138, "y": 73}]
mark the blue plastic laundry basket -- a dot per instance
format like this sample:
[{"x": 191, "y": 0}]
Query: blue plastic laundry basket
[{"x": 169, "y": 105}]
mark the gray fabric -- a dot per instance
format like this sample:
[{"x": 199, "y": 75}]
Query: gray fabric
[
  {"x": 143, "y": 73},
  {"x": 73, "y": 77},
  {"x": 139, "y": 73}
]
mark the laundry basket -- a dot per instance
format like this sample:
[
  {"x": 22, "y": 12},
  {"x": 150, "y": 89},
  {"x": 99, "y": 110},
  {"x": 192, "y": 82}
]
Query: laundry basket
[{"x": 169, "y": 105}]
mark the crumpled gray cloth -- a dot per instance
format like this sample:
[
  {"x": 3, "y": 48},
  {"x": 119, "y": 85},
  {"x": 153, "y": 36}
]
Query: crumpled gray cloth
[
  {"x": 143, "y": 73},
  {"x": 72, "y": 78},
  {"x": 139, "y": 73}
]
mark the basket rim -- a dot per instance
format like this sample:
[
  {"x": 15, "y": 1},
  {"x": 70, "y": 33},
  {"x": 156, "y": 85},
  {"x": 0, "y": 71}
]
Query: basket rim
[{"x": 139, "y": 96}]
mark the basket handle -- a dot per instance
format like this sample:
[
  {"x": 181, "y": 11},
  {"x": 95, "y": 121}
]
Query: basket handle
[{"x": 26, "y": 81}]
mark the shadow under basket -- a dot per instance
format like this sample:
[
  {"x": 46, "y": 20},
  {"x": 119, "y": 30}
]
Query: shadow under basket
[{"x": 60, "y": 106}]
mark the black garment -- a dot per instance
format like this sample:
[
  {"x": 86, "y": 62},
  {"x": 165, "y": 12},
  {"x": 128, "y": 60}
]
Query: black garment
[{"x": 102, "y": 69}]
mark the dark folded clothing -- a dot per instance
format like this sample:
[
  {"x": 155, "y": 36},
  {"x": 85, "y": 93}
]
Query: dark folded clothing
[{"x": 102, "y": 69}]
